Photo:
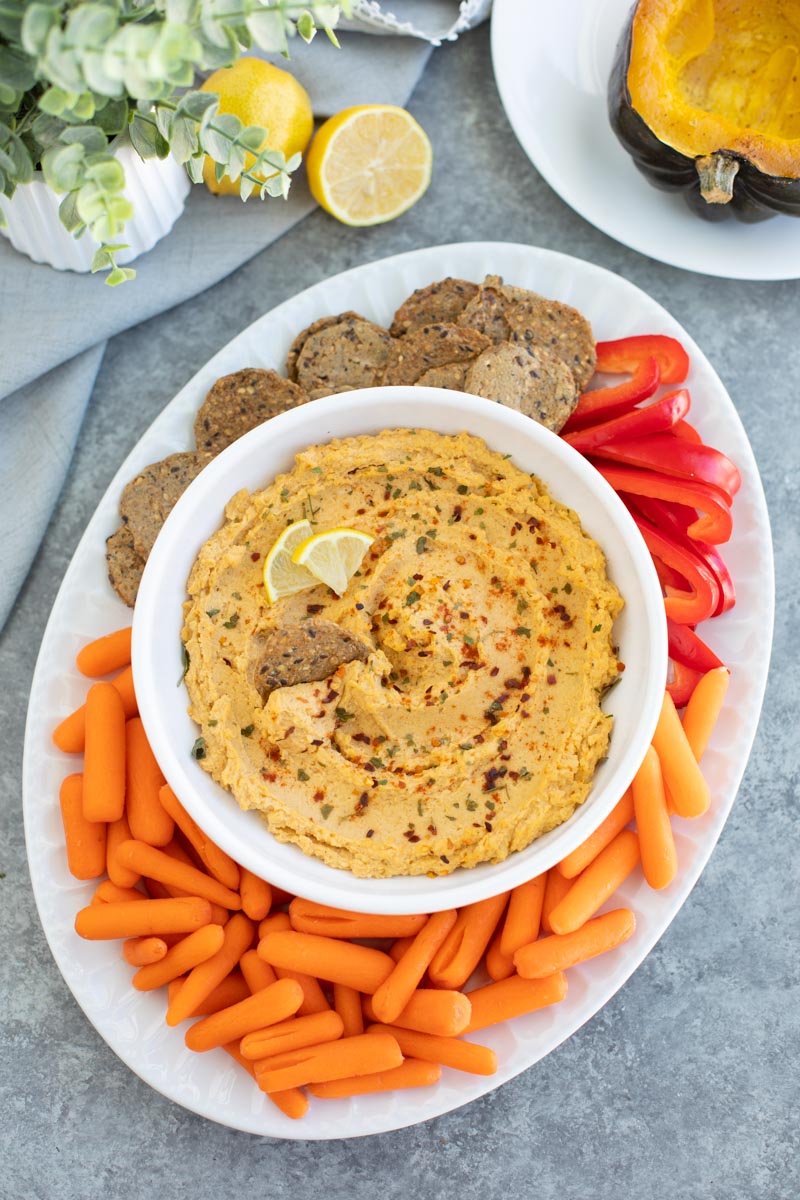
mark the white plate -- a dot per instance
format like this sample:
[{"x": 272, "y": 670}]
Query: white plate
[
  {"x": 132, "y": 1023},
  {"x": 551, "y": 64}
]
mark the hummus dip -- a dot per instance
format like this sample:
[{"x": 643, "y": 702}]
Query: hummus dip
[{"x": 475, "y": 724}]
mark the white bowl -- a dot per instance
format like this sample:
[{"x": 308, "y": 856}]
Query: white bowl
[{"x": 252, "y": 463}]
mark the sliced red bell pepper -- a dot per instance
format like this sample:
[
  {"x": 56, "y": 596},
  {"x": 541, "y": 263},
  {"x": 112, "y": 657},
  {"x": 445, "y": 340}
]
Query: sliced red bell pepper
[
  {"x": 607, "y": 402},
  {"x": 674, "y": 456},
  {"x": 700, "y": 601},
  {"x": 684, "y": 681},
  {"x": 653, "y": 418},
  {"x": 714, "y": 526},
  {"x": 675, "y": 519},
  {"x": 624, "y": 356},
  {"x": 715, "y": 563},
  {"x": 687, "y": 433},
  {"x": 687, "y": 648}
]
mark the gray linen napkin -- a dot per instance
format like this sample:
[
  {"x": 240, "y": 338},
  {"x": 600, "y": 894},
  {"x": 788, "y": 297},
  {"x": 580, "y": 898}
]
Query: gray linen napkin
[{"x": 48, "y": 364}]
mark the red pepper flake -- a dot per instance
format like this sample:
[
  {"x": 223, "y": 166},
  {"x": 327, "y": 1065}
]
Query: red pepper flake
[
  {"x": 494, "y": 671},
  {"x": 319, "y": 794},
  {"x": 369, "y": 833},
  {"x": 551, "y": 679},
  {"x": 255, "y": 556}
]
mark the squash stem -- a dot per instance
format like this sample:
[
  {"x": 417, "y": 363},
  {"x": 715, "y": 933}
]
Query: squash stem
[{"x": 717, "y": 172}]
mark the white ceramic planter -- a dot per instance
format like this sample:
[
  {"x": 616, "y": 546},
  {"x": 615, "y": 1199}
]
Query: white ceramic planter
[{"x": 157, "y": 189}]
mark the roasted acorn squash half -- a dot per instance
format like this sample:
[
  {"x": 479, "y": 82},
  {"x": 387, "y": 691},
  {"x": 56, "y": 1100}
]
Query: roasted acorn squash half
[{"x": 705, "y": 96}]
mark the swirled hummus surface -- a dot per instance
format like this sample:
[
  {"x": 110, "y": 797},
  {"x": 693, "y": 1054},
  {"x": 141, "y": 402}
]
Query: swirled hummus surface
[{"x": 475, "y": 724}]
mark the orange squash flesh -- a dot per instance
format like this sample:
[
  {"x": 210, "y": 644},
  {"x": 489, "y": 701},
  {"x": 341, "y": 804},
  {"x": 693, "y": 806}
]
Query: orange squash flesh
[{"x": 709, "y": 75}]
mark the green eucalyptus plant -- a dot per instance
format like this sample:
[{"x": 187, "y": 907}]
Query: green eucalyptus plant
[{"x": 77, "y": 74}]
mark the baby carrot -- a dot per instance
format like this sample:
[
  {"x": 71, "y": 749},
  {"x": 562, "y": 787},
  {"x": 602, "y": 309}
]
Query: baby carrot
[
  {"x": 256, "y": 895},
  {"x": 497, "y": 965},
  {"x": 399, "y": 947},
  {"x": 142, "y": 951},
  {"x": 267, "y": 1007},
  {"x": 146, "y": 815},
  {"x": 552, "y": 954},
  {"x": 257, "y": 973},
  {"x": 347, "y": 1002},
  {"x": 110, "y": 893},
  {"x": 524, "y": 915},
  {"x": 232, "y": 989},
  {"x": 276, "y": 922},
  {"x": 123, "y": 876},
  {"x": 395, "y": 992},
  {"x": 106, "y": 654},
  {"x": 70, "y": 735},
  {"x": 347, "y": 1057},
  {"x": 682, "y": 775},
  {"x": 294, "y": 1034},
  {"x": 141, "y": 918},
  {"x": 555, "y": 889},
  {"x": 513, "y": 998},
  {"x": 308, "y": 917},
  {"x": 313, "y": 996},
  {"x": 463, "y": 948},
  {"x": 158, "y": 865},
  {"x": 620, "y": 816},
  {"x": 216, "y": 861},
  {"x": 280, "y": 897},
  {"x": 410, "y": 1074},
  {"x": 657, "y": 845},
  {"x": 703, "y": 709},
  {"x": 237, "y": 937},
  {"x": 431, "y": 1010},
  {"x": 340, "y": 962},
  {"x": 599, "y": 881},
  {"x": 85, "y": 840},
  {"x": 184, "y": 956},
  {"x": 448, "y": 1052},
  {"x": 104, "y": 761}
]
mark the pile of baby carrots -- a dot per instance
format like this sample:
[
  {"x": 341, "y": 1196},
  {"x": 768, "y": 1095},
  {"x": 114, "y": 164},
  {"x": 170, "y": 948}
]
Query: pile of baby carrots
[{"x": 286, "y": 986}]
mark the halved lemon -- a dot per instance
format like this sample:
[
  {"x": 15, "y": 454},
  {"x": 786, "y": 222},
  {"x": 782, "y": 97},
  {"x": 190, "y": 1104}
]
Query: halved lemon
[
  {"x": 333, "y": 557},
  {"x": 368, "y": 164},
  {"x": 282, "y": 577}
]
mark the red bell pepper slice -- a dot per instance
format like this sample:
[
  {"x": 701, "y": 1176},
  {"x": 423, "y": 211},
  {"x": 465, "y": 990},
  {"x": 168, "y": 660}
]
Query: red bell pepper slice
[
  {"x": 625, "y": 355},
  {"x": 684, "y": 681},
  {"x": 673, "y": 456},
  {"x": 653, "y": 418},
  {"x": 700, "y": 601},
  {"x": 607, "y": 402},
  {"x": 687, "y": 433},
  {"x": 675, "y": 519},
  {"x": 687, "y": 648},
  {"x": 714, "y": 526}
]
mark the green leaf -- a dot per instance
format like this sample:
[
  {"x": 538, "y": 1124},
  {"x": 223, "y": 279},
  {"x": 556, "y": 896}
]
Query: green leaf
[
  {"x": 47, "y": 130},
  {"x": 183, "y": 141},
  {"x": 217, "y": 140},
  {"x": 144, "y": 135},
  {"x": 55, "y": 101},
  {"x": 112, "y": 117},
  {"x": 92, "y": 138},
  {"x": 197, "y": 104},
  {"x": 306, "y": 26},
  {"x": 68, "y": 213},
  {"x": 16, "y": 69},
  {"x": 37, "y": 22},
  {"x": 267, "y": 28},
  {"x": 91, "y": 25},
  {"x": 120, "y": 275},
  {"x": 63, "y": 167},
  {"x": 108, "y": 174},
  {"x": 194, "y": 166}
]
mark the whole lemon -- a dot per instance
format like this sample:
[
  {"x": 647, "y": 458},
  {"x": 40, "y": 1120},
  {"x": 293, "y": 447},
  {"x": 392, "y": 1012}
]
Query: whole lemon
[{"x": 260, "y": 94}]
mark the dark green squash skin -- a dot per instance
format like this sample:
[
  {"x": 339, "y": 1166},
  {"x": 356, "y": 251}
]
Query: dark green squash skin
[{"x": 756, "y": 196}]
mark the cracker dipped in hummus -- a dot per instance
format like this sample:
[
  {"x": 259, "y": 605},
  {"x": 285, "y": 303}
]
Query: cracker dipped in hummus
[{"x": 468, "y": 721}]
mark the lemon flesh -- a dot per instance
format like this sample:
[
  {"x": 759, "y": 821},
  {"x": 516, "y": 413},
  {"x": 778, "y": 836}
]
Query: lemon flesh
[
  {"x": 333, "y": 557},
  {"x": 369, "y": 164},
  {"x": 260, "y": 94},
  {"x": 282, "y": 577}
]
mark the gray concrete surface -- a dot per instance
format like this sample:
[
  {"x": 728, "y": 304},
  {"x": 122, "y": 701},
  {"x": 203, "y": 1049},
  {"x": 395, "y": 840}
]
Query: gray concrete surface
[{"x": 686, "y": 1084}]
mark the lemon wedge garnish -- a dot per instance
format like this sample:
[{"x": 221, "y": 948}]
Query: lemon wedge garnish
[
  {"x": 282, "y": 577},
  {"x": 333, "y": 557},
  {"x": 369, "y": 164}
]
